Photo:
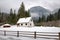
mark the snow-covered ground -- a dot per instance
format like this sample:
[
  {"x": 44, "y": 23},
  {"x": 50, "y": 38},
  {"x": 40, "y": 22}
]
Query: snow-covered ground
[
  {"x": 21, "y": 38},
  {"x": 32, "y": 29},
  {"x": 36, "y": 28}
]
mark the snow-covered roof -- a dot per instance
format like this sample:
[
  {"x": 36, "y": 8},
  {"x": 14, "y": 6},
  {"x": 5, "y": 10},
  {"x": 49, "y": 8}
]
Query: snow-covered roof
[
  {"x": 6, "y": 25},
  {"x": 24, "y": 20}
]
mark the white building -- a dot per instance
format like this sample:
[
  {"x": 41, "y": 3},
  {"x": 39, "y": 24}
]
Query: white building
[{"x": 26, "y": 22}]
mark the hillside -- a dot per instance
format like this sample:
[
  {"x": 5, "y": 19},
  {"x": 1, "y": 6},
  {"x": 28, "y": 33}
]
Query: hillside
[{"x": 39, "y": 11}]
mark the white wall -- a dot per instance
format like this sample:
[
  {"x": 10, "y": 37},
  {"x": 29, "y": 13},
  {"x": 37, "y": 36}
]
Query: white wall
[{"x": 29, "y": 24}]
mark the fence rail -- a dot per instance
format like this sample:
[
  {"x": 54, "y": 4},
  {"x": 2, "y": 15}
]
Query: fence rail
[{"x": 47, "y": 35}]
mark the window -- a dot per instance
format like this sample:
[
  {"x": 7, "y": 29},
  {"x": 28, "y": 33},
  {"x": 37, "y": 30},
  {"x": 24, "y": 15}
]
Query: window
[
  {"x": 18, "y": 24},
  {"x": 21, "y": 24},
  {"x": 26, "y": 24},
  {"x": 30, "y": 24}
]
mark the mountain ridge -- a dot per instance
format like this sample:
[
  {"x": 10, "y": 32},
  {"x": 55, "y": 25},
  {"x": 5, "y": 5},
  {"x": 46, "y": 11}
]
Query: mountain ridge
[{"x": 39, "y": 10}]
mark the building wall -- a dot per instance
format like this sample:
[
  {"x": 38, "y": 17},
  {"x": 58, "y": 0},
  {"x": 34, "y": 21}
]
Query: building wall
[{"x": 29, "y": 24}]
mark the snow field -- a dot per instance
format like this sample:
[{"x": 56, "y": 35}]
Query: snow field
[{"x": 11, "y": 33}]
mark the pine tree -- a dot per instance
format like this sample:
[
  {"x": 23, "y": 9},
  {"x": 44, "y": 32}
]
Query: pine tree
[
  {"x": 40, "y": 20},
  {"x": 50, "y": 17},
  {"x": 14, "y": 17},
  {"x": 21, "y": 11},
  {"x": 10, "y": 18},
  {"x": 11, "y": 12},
  {"x": 55, "y": 16},
  {"x": 59, "y": 14},
  {"x": 43, "y": 18},
  {"x": 27, "y": 14},
  {"x": 1, "y": 17}
]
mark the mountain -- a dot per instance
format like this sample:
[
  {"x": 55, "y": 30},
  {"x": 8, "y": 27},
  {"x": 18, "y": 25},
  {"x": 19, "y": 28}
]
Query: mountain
[
  {"x": 55, "y": 11},
  {"x": 38, "y": 11}
]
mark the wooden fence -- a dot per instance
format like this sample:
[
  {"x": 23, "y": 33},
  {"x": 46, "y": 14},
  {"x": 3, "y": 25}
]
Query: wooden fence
[{"x": 47, "y": 35}]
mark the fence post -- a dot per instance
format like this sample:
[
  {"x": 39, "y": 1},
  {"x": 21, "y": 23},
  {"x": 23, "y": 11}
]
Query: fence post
[
  {"x": 59, "y": 35},
  {"x": 17, "y": 33},
  {"x": 35, "y": 35},
  {"x": 4, "y": 33}
]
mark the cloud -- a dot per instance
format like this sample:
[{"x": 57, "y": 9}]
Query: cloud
[
  {"x": 5, "y": 5},
  {"x": 34, "y": 15},
  {"x": 48, "y": 4}
]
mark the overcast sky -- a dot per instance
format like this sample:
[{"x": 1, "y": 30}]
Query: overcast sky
[{"x": 5, "y": 5}]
